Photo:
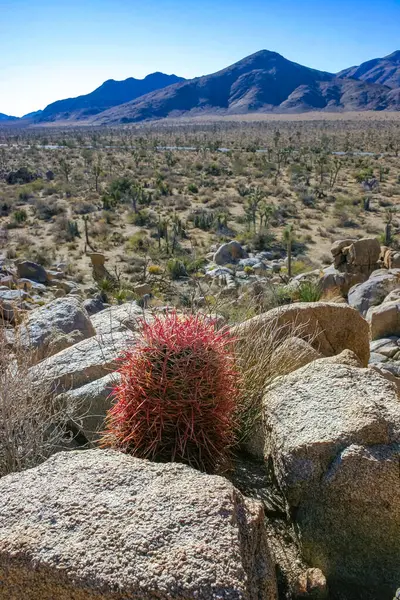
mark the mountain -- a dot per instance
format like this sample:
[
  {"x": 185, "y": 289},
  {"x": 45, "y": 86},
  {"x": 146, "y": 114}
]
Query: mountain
[
  {"x": 4, "y": 118},
  {"x": 111, "y": 93},
  {"x": 385, "y": 71},
  {"x": 262, "y": 82},
  {"x": 33, "y": 115}
]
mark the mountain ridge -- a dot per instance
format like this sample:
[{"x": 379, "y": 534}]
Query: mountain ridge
[
  {"x": 262, "y": 82},
  {"x": 108, "y": 94},
  {"x": 384, "y": 71}
]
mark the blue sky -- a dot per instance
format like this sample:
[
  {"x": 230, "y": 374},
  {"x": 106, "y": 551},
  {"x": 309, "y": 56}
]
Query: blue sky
[{"x": 52, "y": 49}]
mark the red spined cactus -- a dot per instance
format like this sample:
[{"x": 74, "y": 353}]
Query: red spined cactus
[{"x": 177, "y": 396}]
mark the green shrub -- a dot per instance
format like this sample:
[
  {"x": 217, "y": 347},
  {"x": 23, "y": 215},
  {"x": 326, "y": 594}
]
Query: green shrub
[
  {"x": 309, "y": 291},
  {"x": 176, "y": 268}
]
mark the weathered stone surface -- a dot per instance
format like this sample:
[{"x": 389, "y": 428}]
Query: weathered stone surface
[
  {"x": 356, "y": 255},
  {"x": 49, "y": 322},
  {"x": 90, "y": 404},
  {"x": 30, "y": 270},
  {"x": 312, "y": 584},
  {"x": 142, "y": 289},
  {"x": 332, "y": 279},
  {"x": 329, "y": 327},
  {"x": 333, "y": 432},
  {"x": 11, "y": 301},
  {"x": 394, "y": 295},
  {"x": 94, "y": 305},
  {"x": 353, "y": 528},
  {"x": 347, "y": 358},
  {"x": 86, "y": 361},
  {"x": 385, "y": 319},
  {"x": 373, "y": 291},
  {"x": 229, "y": 253},
  {"x": 363, "y": 253},
  {"x": 119, "y": 318},
  {"x": 387, "y": 375},
  {"x": 292, "y": 354},
  {"x": 100, "y": 525}
]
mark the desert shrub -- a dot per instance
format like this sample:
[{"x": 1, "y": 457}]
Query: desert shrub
[
  {"x": 176, "y": 398},
  {"x": 20, "y": 216},
  {"x": 65, "y": 230},
  {"x": 155, "y": 270},
  {"x": 213, "y": 169},
  {"x": 49, "y": 208},
  {"x": 309, "y": 291},
  {"x": 32, "y": 425},
  {"x": 192, "y": 188},
  {"x": 21, "y": 176},
  {"x": 176, "y": 268},
  {"x": 139, "y": 242},
  {"x": 143, "y": 218}
]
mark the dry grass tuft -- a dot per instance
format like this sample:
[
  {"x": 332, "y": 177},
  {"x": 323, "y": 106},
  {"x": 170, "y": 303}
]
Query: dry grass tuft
[
  {"x": 264, "y": 353},
  {"x": 32, "y": 425}
]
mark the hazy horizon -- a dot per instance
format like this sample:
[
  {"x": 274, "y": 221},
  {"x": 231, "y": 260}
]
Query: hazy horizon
[{"x": 50, "y": 52}]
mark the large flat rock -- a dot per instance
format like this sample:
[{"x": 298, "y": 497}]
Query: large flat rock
[
  {"x": 99, "y": 525},
  {"x": 329, "y": 327},
  {"x": 84, "y": 362}
]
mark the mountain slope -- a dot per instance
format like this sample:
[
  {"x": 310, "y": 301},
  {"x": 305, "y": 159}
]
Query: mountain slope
[
  {"x": 110, "y": 93},
  {"x": 385, "y": 71},
  {"x": 262, "y": 82},
  {"x": 4, "y": 118},
  {"x": 32, "y": 115}
]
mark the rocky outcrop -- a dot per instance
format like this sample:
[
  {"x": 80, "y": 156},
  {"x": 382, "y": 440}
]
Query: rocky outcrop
[
  {"x": 390, "y": 258},
  {"x": 229, "y": 253},
  {"x": 128, "y": 316},
  {"x": 356, "y": 256},
  {"x": 385, "y": 320},
  {"x": 11, "y": 303},
  {"x": 333, "y": 432},
  {"x": 99, "y": 525},
  {"x": 293, "y": 353},
  {"x": 89, "y": 405},
  {"x": 84, "y": 362},
  {"x": 373, "y": 291},
  {"x": 30, "y": 270},
  {"x": 44, "y": 326},
  {"x": 94, "y": 305},
  {"x": 331, "y": 279},
  {"x": 329, "y": 327}
]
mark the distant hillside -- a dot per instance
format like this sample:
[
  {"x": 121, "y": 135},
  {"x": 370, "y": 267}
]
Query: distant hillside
[
  {"x": 385, "y": 71},
  {"x": 262, "y": 82},
  {"x": 33, "y": 115},
  {"x": 4, "y": 118},
  {"x": 110, "y": 94}
]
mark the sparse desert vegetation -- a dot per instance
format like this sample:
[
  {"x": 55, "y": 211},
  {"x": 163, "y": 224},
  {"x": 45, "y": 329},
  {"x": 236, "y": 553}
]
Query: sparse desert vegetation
[
  {"x": 157, "y": 199},
  {"x": 219, "y": 293}
]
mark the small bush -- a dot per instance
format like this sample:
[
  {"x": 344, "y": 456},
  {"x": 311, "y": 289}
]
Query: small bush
[
  {"x": 309, "y": 291},
  {"x": 155, "y": 270},
  {"x": 176, "y": 268},
  {"x": 20, "y": 216},
  {"x": 176, "y": 399}
]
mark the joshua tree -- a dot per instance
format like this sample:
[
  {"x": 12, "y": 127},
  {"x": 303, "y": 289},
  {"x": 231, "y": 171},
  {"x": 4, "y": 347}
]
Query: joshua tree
[
  {"x": 288, "y": 238},
  {"x": 66, "y": 168}
]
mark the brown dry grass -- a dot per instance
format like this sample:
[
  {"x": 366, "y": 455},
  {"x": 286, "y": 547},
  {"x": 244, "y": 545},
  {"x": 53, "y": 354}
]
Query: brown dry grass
[
  {"x": 264, "y": 353},
  {"x": 32, "y": 424}
]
